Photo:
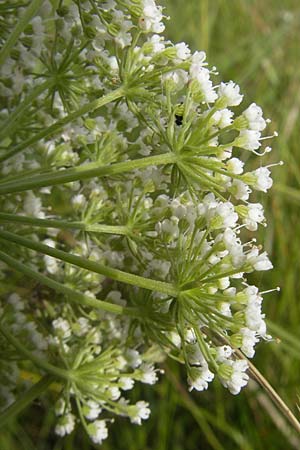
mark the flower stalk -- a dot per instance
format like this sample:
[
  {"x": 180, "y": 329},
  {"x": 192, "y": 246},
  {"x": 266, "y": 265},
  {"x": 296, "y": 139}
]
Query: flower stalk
[
  {"x": 71, "y": 295},
  {"x": 86, "y": 171},
  {"x": 115, "y": 274}
]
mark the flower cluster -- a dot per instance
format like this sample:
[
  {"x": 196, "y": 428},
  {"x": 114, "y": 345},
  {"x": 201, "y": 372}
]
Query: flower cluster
[{"x": 126, "y": 211}]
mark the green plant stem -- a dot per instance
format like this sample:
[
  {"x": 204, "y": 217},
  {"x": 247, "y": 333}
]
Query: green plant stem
[
  {"x": 115, "y": 274},
  {"x": 61, "y": 224},
  {"x": 27, "y": 354},
  {"x": 30, "y": 12},
  {"x": 57, "y": 126},
  {"x": 31, "y": 394},
  {"x": 9, "y": 123},
  {"x": 83, "y": 172},
  {"x": 72, "y": 295}
]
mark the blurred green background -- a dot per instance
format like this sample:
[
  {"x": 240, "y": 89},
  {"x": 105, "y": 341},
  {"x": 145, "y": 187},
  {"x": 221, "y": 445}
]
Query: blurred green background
[{"x": 257, "y": 44}]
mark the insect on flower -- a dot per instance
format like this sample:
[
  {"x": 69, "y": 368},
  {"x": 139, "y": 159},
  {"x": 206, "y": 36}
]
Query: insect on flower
[{"x": 179, "y": 110}]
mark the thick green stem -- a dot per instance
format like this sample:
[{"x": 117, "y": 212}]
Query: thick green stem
[
  {"x": 9, "y": 123},
  {"x": 114, "y": 274},
  {"x": 83, "y": 172},
  {"x": 30, "y": 12},
  {"x": 31, "y": 394},
  {"x": 27, "y": 354},
  {"x": 61, "y": 224},
  {"x": 72, "y": 296},
  {"x": 57, "y": 126}
]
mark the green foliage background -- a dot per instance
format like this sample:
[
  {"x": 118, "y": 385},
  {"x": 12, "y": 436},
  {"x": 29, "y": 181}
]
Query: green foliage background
[{"x": 257, "y": 44}]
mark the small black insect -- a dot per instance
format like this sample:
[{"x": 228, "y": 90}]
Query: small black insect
[
  {"x": 179, "y": 109},
  {"x": 178, "y": 119}
]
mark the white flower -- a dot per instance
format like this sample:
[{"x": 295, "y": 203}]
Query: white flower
[
  {"x": 177, "y": 79},
  {"x": 235, "y": 165},
  {"x": 253, "y": 114},
  {"x": 248, "y": 342},
  {"x": 223, "y": 353},
  {"x": 141, "y": 412},
  {"x": 81, "y": 327},
  {"x": 133, "y": 357},
  {"x": 170, "y": 227},
  {"x": 150, "y": 20},
  {"x": 248, "y": 139},
  {"x": 65, "y": 425},
  {"x": 62, "y": 328},
  {"x": 157, "y": 43},
  {"x": 233, "y": 376},
  {"x": 262, "y": 180},
  {"x": 259, "y": 261},
  {"x": 190, "y": 336},
  {"x": 149, "y": 375},
  {"x": 239, "y": 378},
  {"x": 182, "y": 51},
  {"x": 255, "y": 215},
  {"x": 114, "y": 392},
  {"x": 91, "y": 410},
  {"x": 222, "y": 118},
  {"x": 33, "y": 205},
  {"x": 224, "y": 283},
  {"x": 126, "y": 383},
  {"x": 253, "y": 315},
  {"x": 204, "y": 84},
  {"x": 78, "y": 201},
  {"x": 224, "y": 309},
  {"x": 225, "y": 215},
  {"x": 51, "y": 264},
  {"x": 199, "y": 378},
  {"x": 97, "y": 431},
  {"x": 240, "y": 190},
  {"x": 229, "y": 94},
  {"x": 198, "y": 58}
]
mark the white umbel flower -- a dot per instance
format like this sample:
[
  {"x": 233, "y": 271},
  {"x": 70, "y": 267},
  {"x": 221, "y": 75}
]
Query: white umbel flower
[
  {"x": 62, "y": 328},
  {"x": 229, "y": 94},
  {"x": 65, "y": 425},
  {"x": 249, "y": 340},
  {"x": 259, "y": 261},
  {"x": 98, "y": 431},
  {"x": 235, "y": 165},
  {"x": 253, "y": 114},
  {"x": 248, "y": 139},
  {"x": 141, "y": 412},
  {"x": 262, "y": 180},
  {"x": 91, "y": 410},
  {"x": 199, "y": 378},
  {"x": 151, "y": 19},
  {"x": 255, "y": 215},
  {"x": 233, "y": 375},
  {"x": 182, "y": 51}
]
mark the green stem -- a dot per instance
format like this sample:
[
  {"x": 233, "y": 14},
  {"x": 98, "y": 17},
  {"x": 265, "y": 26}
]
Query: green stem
[
  {"x": 55, "y": 127},
  {"x": 21, "y": 25},
  {"x": 61, "y": 224},
  {"x": 9, "y": 123},
  {"x": 85, "y": 171},
  {"x": 93, "y": 266},
  {"x": 27, "y": 354},
  {"x": 31, "y": 394},
  {"x": 72, "y": 295}
]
